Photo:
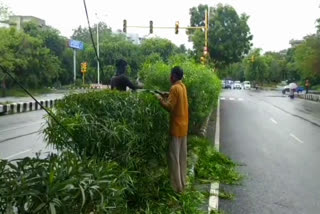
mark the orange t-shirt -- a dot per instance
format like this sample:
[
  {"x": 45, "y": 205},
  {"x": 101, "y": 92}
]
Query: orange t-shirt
[{"x": 177, "y": 105}]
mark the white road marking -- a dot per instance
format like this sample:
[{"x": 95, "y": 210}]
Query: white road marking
[
  {"x": 19, "y": 153},
  {"x": 240, "y": 99},
  {"x": 222, "y": 98},
  {"x": 296, "y": 138},
  {"x": 273, "y": 120},
  {"x": 19, "y": 127},
  {"x": 231, "y": 98},
  {"x": 214, "y": 187}
]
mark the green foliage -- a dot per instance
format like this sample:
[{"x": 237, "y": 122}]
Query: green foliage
[
  {"x": 62, "y": 184},
  {"x": 129, "y": 128},
  {"x": 229, "y": 34},
  {"x": 212, "y": 165},
  {"x": 307, "y": 58},
  {"x": 163, "y": 47},
  {"x": 202, "y": 84},
  {"x": 26, "y": 57}
]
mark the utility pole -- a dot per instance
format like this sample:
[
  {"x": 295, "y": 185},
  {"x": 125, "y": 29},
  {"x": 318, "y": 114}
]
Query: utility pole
[
  {"x": 74, "y": 65},
  {"x": 206, "y": 28},
  {"x": 98, "y": 63}
]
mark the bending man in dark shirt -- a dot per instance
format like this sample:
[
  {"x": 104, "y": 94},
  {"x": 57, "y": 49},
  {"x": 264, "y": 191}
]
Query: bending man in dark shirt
[{"x": 120, "y": 81}]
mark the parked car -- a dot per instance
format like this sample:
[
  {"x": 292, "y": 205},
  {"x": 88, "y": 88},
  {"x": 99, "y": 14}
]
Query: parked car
[
  {"x": 237, "y": 85},
  {"x": 246, "y": 85},
  {"x": 227, "y": 84},
  {"x": 223, "y": 83}
]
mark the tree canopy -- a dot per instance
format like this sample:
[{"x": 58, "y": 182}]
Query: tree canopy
[{"x": 229, "y": 34}]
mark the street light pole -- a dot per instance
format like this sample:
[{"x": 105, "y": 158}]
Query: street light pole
[{"x": 98, "y": 63}]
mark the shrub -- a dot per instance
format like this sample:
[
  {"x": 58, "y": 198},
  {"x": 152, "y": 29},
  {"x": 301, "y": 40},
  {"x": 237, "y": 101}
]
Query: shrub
[
  {"x": 128, "y": 128},
  {"x": 213, "y": 165},
  {"x": 62, "y": 184},
  {"x": 202, "y": 84}
]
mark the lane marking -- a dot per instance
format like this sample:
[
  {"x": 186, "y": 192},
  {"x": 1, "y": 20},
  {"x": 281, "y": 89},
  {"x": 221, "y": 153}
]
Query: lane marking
[
  {"x": 214, "y": 187},
  {"x": 273, "y": 120},
  {"x": 23, "y": 126},
  {"x": 16, "y": 154},
  {"x": 222, "y": 98},
  {"x": 19, "y": 136},
  {"x": 240, "y": 99},
  {"x": 296, "y": 138},
  {"x": 231, "y": 98}
]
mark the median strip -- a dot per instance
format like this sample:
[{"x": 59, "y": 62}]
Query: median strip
[{"x": 20, "y": 107}]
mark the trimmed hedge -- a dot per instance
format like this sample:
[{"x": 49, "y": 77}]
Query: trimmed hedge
[
  {"x": 117, "y": 162},
  {"x": 202, "y": 84}
]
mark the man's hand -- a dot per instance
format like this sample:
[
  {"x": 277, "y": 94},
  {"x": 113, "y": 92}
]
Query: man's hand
[{"x": 158, "y": 96}]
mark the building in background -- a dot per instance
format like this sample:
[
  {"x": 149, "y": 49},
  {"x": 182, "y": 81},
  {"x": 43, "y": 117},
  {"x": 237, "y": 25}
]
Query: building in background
[
  {"x": 295, "y": 43},
  {"x": 18, "y": 21}
]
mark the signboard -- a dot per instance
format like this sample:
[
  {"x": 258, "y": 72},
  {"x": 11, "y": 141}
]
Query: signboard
[{"x": 76, "y": 44}]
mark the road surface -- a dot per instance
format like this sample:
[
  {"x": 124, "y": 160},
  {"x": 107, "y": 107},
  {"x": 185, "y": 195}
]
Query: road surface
[
  {"x": 277, "y": 143},
  {"x": 20, "y": 135}
]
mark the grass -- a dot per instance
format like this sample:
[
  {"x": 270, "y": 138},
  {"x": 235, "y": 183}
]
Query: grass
[
  {"x": 5, "y": 103},
  {"x": 15, "y": 92},
  {"x": 315, "y": 87}
]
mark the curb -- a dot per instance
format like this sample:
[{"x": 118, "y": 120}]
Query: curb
[
  {"x": 312, "y": 97},
  {"x": 20, "y": 107},
  {"x": 92, "y": 87},
  {"x": 214, "y": 187}
]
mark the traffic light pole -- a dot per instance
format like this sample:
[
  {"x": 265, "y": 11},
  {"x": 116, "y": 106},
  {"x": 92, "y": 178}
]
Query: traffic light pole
[
  {"x": 98, "y": 63},
  {"x": 74, "y": 65},
  {"x": 206, "y": 28}
]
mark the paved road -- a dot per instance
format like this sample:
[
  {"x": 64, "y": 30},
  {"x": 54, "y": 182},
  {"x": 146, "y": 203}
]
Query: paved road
[
  {"x": 277, "y": 141},
  {"x": 20, "y": 135}
]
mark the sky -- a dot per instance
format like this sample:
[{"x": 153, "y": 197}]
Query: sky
[{"x": 273, "y": 23}]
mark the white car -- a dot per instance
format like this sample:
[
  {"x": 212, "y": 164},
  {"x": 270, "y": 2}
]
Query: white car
[
  {"x": 246, "y": 85},
  {"x": 237, "y": 85}
]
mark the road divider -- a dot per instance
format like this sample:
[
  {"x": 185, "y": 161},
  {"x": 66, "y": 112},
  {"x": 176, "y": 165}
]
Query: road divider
[
  {"x": 20, "y": 107},
  {"x": 313, "y": 97}
]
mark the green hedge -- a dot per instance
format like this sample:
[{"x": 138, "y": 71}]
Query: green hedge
[
  {"x": 202, "y": 84},
  {"x": 62, "y": 184},
  {"x": 119, "y": 144}
]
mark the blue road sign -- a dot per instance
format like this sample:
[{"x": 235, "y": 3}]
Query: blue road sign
[{"x": 76, "y": 44}]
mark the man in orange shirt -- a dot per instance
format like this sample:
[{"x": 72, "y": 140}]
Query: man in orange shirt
[{"x": 177, "y": 105}]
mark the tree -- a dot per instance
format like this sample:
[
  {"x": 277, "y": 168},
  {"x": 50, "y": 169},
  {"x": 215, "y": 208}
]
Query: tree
[
  {"x": 256, "y": 67},
  {"x": 164, "y": 47},
  {"x": 229, "y": 34},
  {"x": 51, "y": 37},
  {"x": 27, "y": 59},
  {"x": 83, "y": 34},
  {"x": 307, "y": 58}
]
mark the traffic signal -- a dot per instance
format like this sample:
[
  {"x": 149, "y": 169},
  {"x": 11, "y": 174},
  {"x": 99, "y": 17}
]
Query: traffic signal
[
  {"x": 205, "y": 51},
  {"x": 84, "y": 67},
  {"x": 177, "y": 27},
  {"x": 124, "y": 26},
  {"x": 252, "y": 58},
  {"x": 203, "y": 60},
  {"x": 151, "y": 27}
]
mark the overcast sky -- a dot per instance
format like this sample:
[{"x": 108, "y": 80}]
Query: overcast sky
[{"x": 273, "y": 23}]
